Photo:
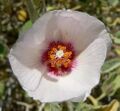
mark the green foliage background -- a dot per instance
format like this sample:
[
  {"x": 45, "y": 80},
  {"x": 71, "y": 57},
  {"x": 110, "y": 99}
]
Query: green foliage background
[{"x": 15, "y": 16}]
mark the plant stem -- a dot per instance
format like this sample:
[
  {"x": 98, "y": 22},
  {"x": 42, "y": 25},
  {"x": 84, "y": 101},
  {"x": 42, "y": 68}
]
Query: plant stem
[
  {"x": 93, "y": 100},
  {"x": 101, "y": 96},
  {"x": 41, "y": 107},
  {"x": 70, "y": 106},
  {"x": 44, "y": 6},
  {"x": 31, "y": 10},
  {"x": 27, "y": 106}
]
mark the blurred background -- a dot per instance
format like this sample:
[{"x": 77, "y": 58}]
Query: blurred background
[{"x": 18, "y": 15}]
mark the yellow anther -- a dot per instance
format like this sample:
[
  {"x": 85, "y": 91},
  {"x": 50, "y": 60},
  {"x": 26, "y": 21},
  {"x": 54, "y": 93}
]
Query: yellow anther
[
  {"x": 54, "y": 49},
  {"x": 67, "y": 63},
  {"x": 67, "y": 54},
  {"x": 58, "y": 62},
  {"x": 62, "y": 48},
  {"x": 52, "y": 57}
]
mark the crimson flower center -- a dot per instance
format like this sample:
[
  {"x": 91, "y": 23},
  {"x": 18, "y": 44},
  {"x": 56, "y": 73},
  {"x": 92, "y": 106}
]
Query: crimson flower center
[{"x": 59, "y": 57}]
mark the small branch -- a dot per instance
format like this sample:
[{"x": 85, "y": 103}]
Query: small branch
[
  {"x": 93, "y": 100},
  {"x": 31, "y": 10},
  {"x": 70, "y": 106},
  {"x": 40, "y": 107},
  {"x": 101, "y": 96},
  {"x": 44, "y": 6},
  {"x": 27, "y": 106}
]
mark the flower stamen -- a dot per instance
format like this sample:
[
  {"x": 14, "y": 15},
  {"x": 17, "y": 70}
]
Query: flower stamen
[{"x": 59, "y": 57}]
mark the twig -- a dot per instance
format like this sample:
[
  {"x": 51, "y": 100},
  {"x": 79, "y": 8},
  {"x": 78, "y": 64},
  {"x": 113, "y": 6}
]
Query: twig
[
  {"x": 31, "y": 10},
  {"x": 101, "y": 96},
  {"x": 27, "y": 106},
  {"x": 93, "y": 100},
  {"x": 70, "y": 106},
  {"x": 44, "y": 6},
  {"x": 40, "y": 108}
]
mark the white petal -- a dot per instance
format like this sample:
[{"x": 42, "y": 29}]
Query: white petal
[
  {"x": 28, "y": 77},
  {"x": 89, "y": 64},
  {"x": 64, "y": 25},
  {"x": 81, "y": 98},
  {"x": 25, "y": 54},
  {"x": 30, "y": 45},
  {"x": 55, "y": 91},
  {"x": 78, "y": 27},
  {"x": 69, "y": 26},
  {"x": 36, "y": 35},
  {"x": 87, "y": 71},
  {"x": 81, "y": 80}
]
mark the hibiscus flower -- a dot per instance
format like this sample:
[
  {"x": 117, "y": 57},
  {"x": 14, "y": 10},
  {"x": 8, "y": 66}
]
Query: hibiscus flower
[{"x": 60, "y": 57}]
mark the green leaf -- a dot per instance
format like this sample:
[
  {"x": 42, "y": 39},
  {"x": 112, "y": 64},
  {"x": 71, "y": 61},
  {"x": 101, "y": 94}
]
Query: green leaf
[
  {"x": 112, "y": 84},
  {"x": 117, "y": 34},
  {"x": 117, "y": 50},
  {"x": 49, "y": 8},
  {"x": 26, "y": 26},
  {"x": 52, "y": 107},
  {"x": 116, "y": 39},
  {"x": 113, "y": 106},
  {"x": 2, "y": 48},
  {"x": 113, "y": 2},
  {"x": 84, "y": 107},
  {"x": 110, "y": 65},
  {"x": 2, "y": 88}
]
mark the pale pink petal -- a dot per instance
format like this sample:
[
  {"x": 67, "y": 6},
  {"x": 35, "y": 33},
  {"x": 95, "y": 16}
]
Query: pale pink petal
[
  {"x": 78, "y": 27},
  {"x": 82, "y": 79},
  {"x": 25, "y": 54},
  {"x": 29, "y": 77},
  {"x": 56, "y": 91},
  {"x": 81, "y": 97},
  {"x": 84, "y": 31},
  {"x": 68, "y": 26}
]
